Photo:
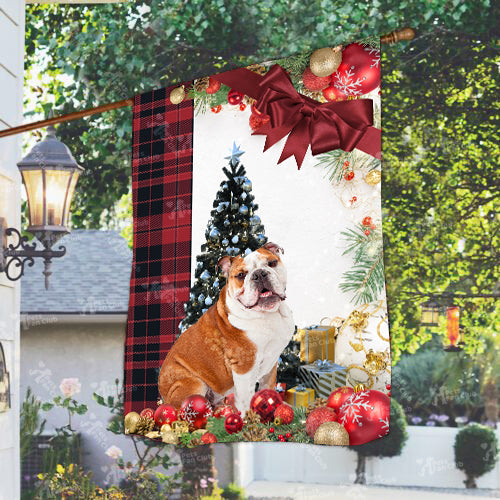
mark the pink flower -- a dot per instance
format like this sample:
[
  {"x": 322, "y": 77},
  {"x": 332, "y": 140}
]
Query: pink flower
[
  {"x": 70, "y": 386},
  {"x": 114, "y": 452}
]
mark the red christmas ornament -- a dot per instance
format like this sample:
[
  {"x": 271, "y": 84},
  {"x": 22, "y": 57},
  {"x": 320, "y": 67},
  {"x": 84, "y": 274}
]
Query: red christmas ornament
[
  {"x": 195, "y": 410},
  {"x": 365, "y": 416},
  {"x": 233, "y": 423},
  {"x": 338, "y": 397},
  {"x": 317, "y": 417},
  {"x": 234, "y": 97},
  {"x": 208, "y": 438},
  {"x": 313, "y": 82},
  {"x": 349, "y": 176},
  {"x": 367, "y": 221},
  {"x": 243, "y": 106},
  {"x": 165, "y": 414},
  {"x": 271, "y": 429},
  {"x": 213, "y": 86},
  {"x": 147, "y": 412},
  {"x": 264, "y": 403},
  {"x": 222, "y": 411},
  {"x": 332, "y": 93},
  {"x": 359, "y": 72},
  {"x": 257, "y": 121},
  {"x": 216, "y": 109},
  {"x": 229, "y": 400},
  {"x": 285, "y": 412}
]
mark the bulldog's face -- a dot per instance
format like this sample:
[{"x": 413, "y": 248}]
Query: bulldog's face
[{"x": 257, "y": 281}]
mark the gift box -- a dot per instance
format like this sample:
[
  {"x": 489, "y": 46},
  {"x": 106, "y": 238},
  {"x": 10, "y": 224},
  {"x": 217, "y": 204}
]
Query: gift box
[
  {"x": 317, "y": 342},
  {"x": 280, "y": 388},
  {"x": 323, "y": 376},
  {"x": 299, "y": 396}
]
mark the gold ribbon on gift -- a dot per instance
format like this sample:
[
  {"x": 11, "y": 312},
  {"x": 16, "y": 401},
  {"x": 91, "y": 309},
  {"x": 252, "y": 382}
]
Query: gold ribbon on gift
[{"x": 317, "y": 342}]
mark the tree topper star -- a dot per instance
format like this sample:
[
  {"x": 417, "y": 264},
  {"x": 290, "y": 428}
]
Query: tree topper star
[{"x": 234, "y": 154}]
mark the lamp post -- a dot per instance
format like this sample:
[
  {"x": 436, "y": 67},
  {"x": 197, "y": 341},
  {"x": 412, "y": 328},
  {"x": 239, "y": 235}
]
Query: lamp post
[
  {"x": 429, "y": 315},
  {"x": 50, "y": 173}
]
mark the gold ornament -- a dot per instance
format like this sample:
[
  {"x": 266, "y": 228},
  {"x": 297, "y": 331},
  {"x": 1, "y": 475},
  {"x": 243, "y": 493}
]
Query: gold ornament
[
  {"x": 331, "y": 433},
  {"x": 251, "y": 417},
  {"x": 359, "y": 388},
  {"x": 249, "y": 100},
  {"x": 254, "y": 432},
  {"x": 375, "y": 362},
  {"x": 277, "y": 421},
  {"x": 165, "y": 428},
  {"x": 177, "y": 95},
  {"x": 130, "y": 422},
  {"x": 144, "y": 425},
  {"x": 358, "y": 320},
  {"x": 153, "y": 435},
  {"x": 170, "y": 437},
  {"x": 373, "y": 177},
  {"x": 180, "y": 427},
  {"x": 325, "y": 61},
  {"x": 317, "y": 403},
  {"x": 201, "y": 84}
]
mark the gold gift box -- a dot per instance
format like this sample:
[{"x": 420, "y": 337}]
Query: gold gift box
[
  {"x": 299, "y": 396},
  {"x": 317, "y": 342}
]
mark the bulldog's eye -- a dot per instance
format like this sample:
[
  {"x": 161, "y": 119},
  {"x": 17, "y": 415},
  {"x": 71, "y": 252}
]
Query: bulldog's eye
[
  {"x": 273, "y": 263},
  {"x": 241, "y": 276}
]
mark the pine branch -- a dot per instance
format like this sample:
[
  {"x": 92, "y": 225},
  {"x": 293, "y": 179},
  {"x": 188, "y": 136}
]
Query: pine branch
[
  {"x": 371, "y": 41},
  {"x": 295, "y": 65},
  {"x": 204, "y": 102}
]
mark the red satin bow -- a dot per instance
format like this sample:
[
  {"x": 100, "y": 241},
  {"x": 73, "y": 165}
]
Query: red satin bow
[{"x": 324, "y": 126}]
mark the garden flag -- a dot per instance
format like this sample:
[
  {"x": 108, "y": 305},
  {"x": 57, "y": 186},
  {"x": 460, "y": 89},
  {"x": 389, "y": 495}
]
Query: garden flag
[{"x": 257, "y": 297}]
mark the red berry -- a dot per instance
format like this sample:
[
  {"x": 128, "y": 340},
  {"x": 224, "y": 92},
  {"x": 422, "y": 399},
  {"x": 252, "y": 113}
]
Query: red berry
[
  {"x": 367, "y": 221},
  {"x": 349, "y": 176},
  {"x": 346, "y": 163},
  {"x": 216, "y": 109},
  {"x": 373, "y": 226},
  {"x": 388, "y": 387},
  {"x": 354, "y": 198},
  {"x": 389, "y": 393},
  {"x": 288, "y": 435},
  {"x": 271, "y": 429},
  {"x": 281, "y": 436},
  {"x": 243, "y": 106},
  {"x": 367, "y": 232},
  {"x": 313, "y": 82}
]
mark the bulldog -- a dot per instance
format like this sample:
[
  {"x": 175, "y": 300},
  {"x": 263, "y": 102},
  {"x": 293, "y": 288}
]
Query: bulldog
[{"x": 237, "y": 342}]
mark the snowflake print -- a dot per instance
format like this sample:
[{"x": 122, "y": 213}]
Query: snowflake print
[
  {"x": 375, "y": 53},
  {"x": 352, "y": 407},
  {"x": 346, "y": 82},
  {"x": 190, "y": 414},
  {"x": 384, "y": 429}
]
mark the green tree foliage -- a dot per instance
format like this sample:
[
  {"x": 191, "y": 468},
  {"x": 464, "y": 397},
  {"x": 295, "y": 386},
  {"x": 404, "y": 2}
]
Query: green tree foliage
[{"x": 476, "y": 452}]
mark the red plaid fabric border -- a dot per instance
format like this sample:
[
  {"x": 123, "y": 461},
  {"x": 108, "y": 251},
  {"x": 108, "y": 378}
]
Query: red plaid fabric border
[{"x": 162, "y": 171}]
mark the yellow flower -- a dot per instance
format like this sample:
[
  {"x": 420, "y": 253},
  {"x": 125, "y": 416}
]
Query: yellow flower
[
  {"x": 70, "y": 468},
  {"x": 60, "y": 469},
  {"x": 40, "y": 476}
]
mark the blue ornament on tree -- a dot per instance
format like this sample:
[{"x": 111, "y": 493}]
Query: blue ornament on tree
[
  {"x": 247, "y": 185},
  {"x": 225, "y": 242},
  {"x": 208, "y": 301},
  {"x": 235, "y": 239},
  {"x": 214, "y": 233},
  {"x": 205, "y": 275},
  {"x": 243, "y": 209}
]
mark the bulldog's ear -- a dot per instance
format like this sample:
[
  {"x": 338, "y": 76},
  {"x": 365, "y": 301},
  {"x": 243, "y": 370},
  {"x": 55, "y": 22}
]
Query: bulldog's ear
[
  {"x": 224, "y": 265},
  {"x": 275, "y": 249}
]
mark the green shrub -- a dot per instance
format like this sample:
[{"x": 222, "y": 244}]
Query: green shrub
[
  {"x": 476, "y": 452},
  {"x": 233, "y": 492}
]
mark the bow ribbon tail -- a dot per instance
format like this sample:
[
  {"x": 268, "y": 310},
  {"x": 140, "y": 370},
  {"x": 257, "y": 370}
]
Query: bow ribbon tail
[{"x": 297, "y": 142}]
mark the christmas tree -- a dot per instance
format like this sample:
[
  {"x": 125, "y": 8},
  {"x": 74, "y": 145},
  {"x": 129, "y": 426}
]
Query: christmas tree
[{"x": 233, "y": 229}]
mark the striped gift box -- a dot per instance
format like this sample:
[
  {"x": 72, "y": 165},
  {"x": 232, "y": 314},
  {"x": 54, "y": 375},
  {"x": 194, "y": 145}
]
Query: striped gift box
[{"x": 323, "y": 376}]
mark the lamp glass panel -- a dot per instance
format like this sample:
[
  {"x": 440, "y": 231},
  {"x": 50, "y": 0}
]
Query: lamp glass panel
[
  {"x": 55, "y": 194},
  {"x": 71, "y": 191},
  {"x": 34, "y": 190}
]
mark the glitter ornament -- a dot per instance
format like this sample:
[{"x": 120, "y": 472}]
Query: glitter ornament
[
  {"x": 325, "y": 61},
  {"x": 365, "y": 416},
  {"x": 165, "y": 414},
  {"x": 208, "y": 438},
  {"x": 177, "y": 95},
  {"x": 233, "y": 423},
  {"x": 285, "y": 413},
  {"x": 195, "y": 410},
  {"x": 338, "y": 397},
  {"x": 131, "y": 420},
  {"x": 222, "y": 411},
  {"x": 332, "y": 434},
  {"x": 317, "y": 417},
  {"x": 313, "y": 82},
  {"x": 147, "y": 413},
  {"x": 264, "y": 403},
  {"x": 373, "y": 177}
]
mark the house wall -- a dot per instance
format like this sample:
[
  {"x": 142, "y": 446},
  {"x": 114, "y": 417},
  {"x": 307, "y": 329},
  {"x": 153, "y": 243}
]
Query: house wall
[
  {"x": 427, "y": 460},
  {"x": 93, "y": 352},
  {"x": 11, "y": 88}
]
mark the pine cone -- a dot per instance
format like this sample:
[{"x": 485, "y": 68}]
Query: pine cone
[
  {"x": 144, "y": 425},
  {"x": 201, "y": 84},
  {"x": 251, "y": 417},
  {"x": 317, "y": 96},
  {"x": 255, "y": 433},
  {"x": 195, "y": 442},
  {"x": 257, "y": 68},
  {"x": 315, "y": 404}
]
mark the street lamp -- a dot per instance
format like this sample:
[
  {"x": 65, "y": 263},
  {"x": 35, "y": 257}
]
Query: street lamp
[
  {"x": 429, "y": 314},
  {"x": 50, "y": 173}
]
